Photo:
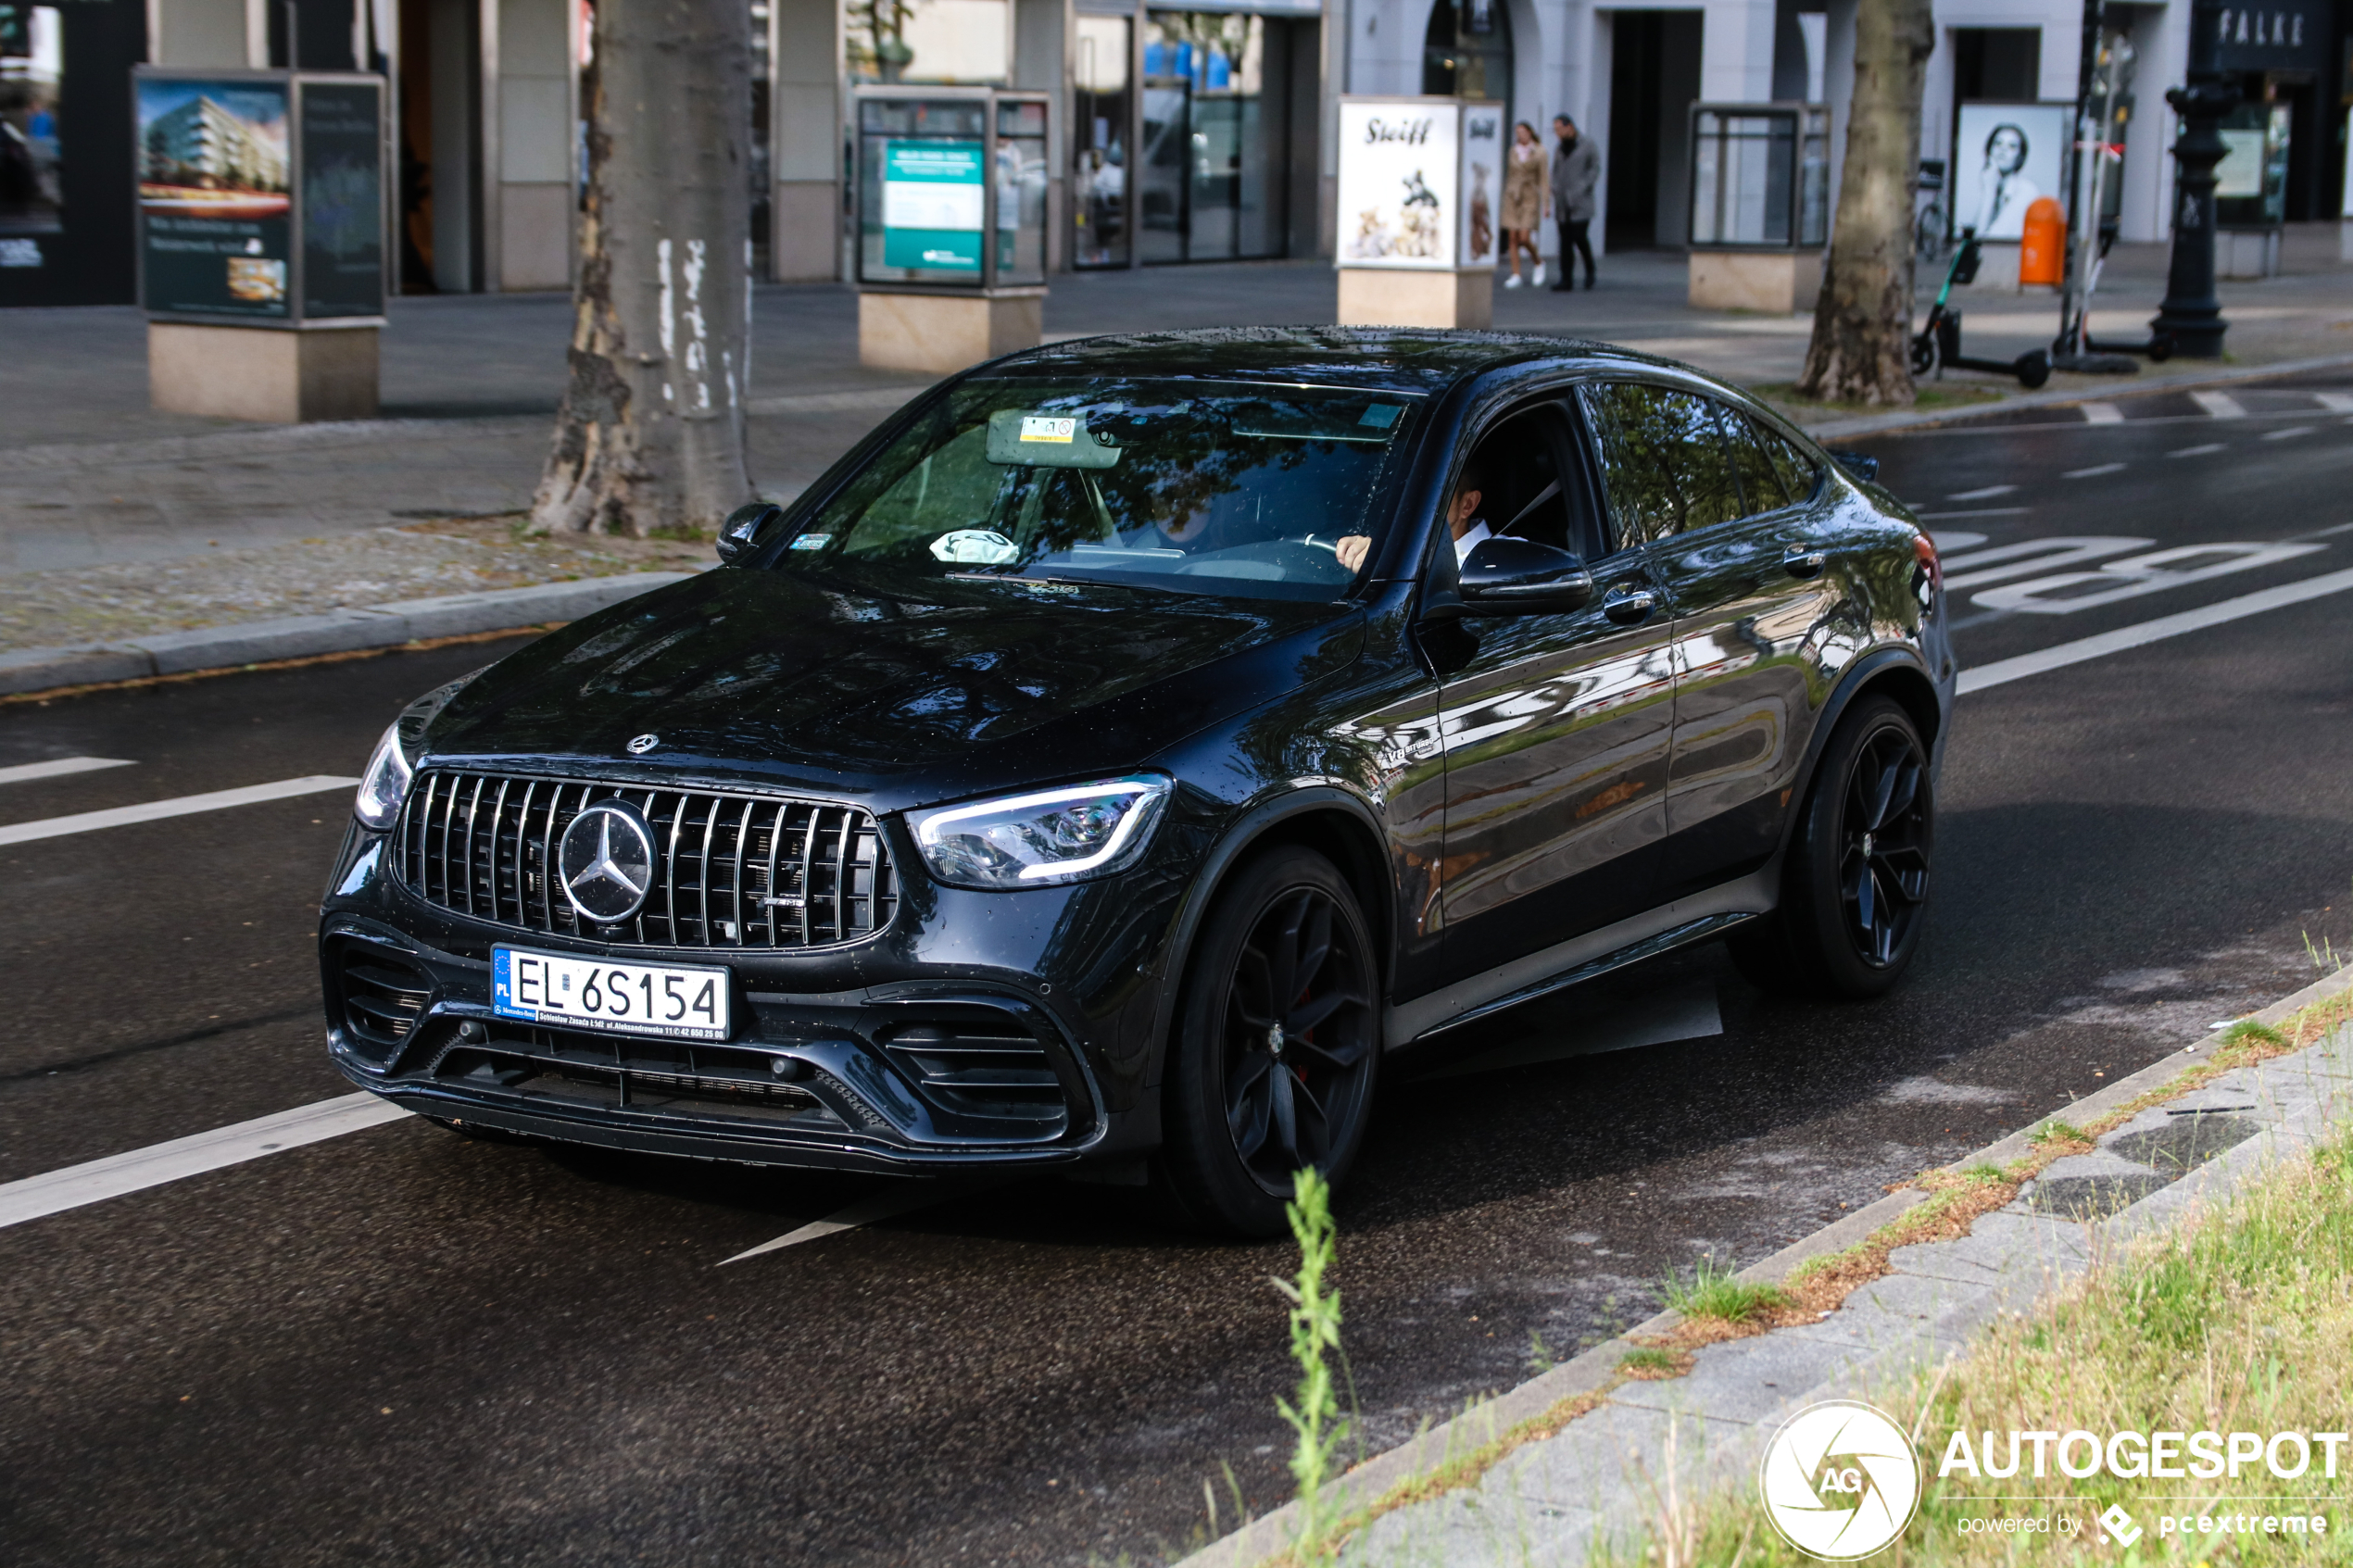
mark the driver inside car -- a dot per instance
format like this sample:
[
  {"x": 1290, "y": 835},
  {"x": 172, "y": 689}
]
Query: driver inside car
[{"x": 1462, "y": 519}]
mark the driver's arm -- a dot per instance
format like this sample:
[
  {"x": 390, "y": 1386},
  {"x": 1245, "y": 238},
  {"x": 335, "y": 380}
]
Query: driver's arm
[{"x": 1351, "y": 551}]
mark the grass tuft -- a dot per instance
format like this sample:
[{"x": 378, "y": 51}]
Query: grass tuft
[
  {"x": 1649, "y": 1362},
  {"x": 2057, "y": 1132},
  {"x": 1715, "y": 1292}
]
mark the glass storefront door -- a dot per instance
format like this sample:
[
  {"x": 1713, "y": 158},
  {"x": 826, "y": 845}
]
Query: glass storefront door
[
  {"x": 1210, "y": 183},
  {"x": 1099, "y": 107}
]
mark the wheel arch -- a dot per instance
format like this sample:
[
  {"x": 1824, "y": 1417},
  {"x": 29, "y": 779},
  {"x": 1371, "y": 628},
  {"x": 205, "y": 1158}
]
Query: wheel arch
[
  {"x": 1332, "y": 821},
  {"x": 1895, "y": 672}
]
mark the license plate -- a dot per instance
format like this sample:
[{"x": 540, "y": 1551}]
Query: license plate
[{"x": 673, "y": 1001}]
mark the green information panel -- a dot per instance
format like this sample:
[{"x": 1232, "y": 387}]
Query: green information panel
[{"x": 933, "y": 204}]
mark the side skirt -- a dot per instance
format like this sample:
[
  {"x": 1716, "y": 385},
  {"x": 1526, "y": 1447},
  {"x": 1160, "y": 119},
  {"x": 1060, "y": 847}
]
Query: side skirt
[{"x": 1580, "y": 958}]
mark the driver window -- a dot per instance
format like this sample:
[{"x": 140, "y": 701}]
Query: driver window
[{"x": 1527, "y": 485}]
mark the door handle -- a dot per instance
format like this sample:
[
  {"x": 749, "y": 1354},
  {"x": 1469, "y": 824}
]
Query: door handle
[
  {"x": 1805, "y": 563},
  {"x": 1627, "y": 606}
]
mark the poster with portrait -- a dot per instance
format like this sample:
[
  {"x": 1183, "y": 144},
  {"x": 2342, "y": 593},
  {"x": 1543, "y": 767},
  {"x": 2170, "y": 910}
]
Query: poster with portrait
[
  {"x": 1399, "y": 167},
  {"x": 1482, "y": 182},
  {"x": 214, "y": 194},
  {"x": 2004, "y": 157}
]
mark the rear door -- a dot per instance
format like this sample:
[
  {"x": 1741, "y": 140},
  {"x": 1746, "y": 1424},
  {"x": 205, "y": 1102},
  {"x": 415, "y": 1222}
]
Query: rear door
[
  {"x": 1556, "y": 727},
  {"x": 1748, "y": 591}
]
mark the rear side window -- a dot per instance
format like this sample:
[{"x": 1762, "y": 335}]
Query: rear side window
[
  {"x": 1664, "y": 465},
  {"x": 1799, "y": 473},
  {"x": 1761, "y": 486}
]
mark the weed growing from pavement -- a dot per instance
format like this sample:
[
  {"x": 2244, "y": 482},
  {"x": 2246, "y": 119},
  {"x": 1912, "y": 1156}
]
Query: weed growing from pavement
[
  {"x": 1648, "y": 1362},
  {"x": 1715, "y": 1292},
  {"x": 1314, "y": 1338},
  {"x": 2239, "y": 1320},
  {"x": 2057, "y": 1132}
]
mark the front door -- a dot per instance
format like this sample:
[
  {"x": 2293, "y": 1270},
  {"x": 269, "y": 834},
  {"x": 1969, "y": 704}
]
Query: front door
[{"x": 1557, "y": 728}]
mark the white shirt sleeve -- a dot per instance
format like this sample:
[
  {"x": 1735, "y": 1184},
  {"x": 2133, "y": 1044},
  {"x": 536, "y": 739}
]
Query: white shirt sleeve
[{"x": 1470, "y": 541}]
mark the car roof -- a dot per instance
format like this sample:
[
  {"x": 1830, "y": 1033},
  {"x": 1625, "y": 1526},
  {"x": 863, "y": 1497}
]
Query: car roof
[{"x": 1379, "y": 358}]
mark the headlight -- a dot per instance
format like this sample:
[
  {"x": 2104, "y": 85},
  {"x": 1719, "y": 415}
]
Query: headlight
[
  {"x": 384, "y": 786},
  {"x": 1054, "y": 835}
]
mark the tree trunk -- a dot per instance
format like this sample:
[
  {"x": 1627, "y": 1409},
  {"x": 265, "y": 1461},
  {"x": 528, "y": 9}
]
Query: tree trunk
[
  {"x": 652, "y": 432},
  {"x": 1862, "y": 322}
]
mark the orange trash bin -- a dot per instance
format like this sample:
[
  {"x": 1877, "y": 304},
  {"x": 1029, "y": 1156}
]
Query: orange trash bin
[{"x": 2041, "y": 254}]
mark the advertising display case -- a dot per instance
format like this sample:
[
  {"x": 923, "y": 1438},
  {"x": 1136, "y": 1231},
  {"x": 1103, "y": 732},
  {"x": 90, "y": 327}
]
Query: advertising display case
[
  {"x": 260, "y": 240},
  {"x": 952, "y": 224},
  {"x": 1420, "y": 201},
  {"x": 1760, "y": 205}
]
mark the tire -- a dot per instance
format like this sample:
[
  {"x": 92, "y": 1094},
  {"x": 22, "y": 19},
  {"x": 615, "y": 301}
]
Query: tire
[
  {"x": 1253, "y": 1091},
  {"x": 2033, "y": 368},
  {"x": 1856, "y": 884},
  {"x": 1924, "y": 350}
]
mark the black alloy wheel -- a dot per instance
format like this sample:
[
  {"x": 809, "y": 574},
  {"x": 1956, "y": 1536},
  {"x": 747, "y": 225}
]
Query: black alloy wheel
[
  {"x": 1278, "y": 1044},
  {"x": 1854, "y": 886}
]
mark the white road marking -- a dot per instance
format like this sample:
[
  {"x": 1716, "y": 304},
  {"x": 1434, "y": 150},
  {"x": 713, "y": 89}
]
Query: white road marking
[
  {"x": 2291, "y": 430},
  {"x": 2220, "y": 405},
  {"x": 2095, "y": 472},
  {"x": 2196, "y": 451},
  {"x": 1987, "y": 494},
  {"x": 2261, "y": 602},
  {"x": 98, "y": 1180},
  {"x": 2334, "y": 401},
  {"x": 2028, "y": 557},
  {"x": 903, "y": 1198},
  {"x": 24, "y": 772},
  {"x": 2065, "y": 592},
  {"x": 2103, "y": 414},
  {"x": 1974, "y": 511},
  {"x": 2326, "y": 533},
  {"x": 120, "y": 816},
  {"x": 1953, "y": 544}
]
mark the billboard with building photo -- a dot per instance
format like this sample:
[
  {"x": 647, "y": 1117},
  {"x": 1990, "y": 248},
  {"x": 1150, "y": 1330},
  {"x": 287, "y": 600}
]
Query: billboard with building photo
[{"x": 214, "y": 194}]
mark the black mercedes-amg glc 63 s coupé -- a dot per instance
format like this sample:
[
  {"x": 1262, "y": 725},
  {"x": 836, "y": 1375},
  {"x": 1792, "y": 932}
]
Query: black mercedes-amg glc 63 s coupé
[{"x": 1133, "y": 742}]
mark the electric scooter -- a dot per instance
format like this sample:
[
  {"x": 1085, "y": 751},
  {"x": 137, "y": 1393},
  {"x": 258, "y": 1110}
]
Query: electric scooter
[{"x": 1938, "y": 343}]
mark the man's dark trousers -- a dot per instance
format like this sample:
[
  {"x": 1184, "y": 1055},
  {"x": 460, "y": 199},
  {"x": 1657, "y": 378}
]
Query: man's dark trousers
[{"x": 1574, "y": 241}]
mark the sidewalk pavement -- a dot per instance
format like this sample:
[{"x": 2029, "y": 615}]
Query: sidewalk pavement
[
  {"x": 1649, "y": 1447},
  {"x": 118, "y": 522}
]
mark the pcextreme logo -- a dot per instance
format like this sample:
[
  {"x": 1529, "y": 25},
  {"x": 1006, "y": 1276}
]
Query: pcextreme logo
[{"x": 1839, "y": 1480}]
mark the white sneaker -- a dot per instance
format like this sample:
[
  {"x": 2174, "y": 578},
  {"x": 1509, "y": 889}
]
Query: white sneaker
[
  {"x": 1511, "y": 282},
  {"x": 1538, "y": 281}
]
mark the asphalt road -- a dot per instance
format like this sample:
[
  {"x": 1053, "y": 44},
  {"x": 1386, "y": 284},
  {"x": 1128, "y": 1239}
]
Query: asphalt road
[{"x": 400, "y": 1347}]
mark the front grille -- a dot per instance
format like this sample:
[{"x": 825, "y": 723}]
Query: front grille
[
  {"x": 594, "y": 1071},
  {"x": 734, "y": 871}
]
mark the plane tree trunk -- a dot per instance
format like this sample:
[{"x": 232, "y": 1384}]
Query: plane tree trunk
[
  {"x": 651, "y": 435},
  {"x": 1860, "y": 351}
]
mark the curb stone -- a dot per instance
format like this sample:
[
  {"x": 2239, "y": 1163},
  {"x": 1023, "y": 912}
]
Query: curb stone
[
  {"x": 339, "y": 630},
  {"x": 1600, "y": 1478}
]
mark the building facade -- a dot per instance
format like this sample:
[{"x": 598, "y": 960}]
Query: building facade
[{"x": 1198, "y": 130}]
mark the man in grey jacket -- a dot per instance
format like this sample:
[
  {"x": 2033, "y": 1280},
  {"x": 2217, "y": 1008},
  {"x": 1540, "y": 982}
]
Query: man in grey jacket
[{"x": 1577, "y": 168}]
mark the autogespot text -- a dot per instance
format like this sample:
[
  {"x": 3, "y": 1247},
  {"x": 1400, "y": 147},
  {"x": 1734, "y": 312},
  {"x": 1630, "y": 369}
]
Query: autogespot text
[{"x": 2152, "y": 1456}]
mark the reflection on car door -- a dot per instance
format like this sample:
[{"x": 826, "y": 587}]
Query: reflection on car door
[
  {"x": 1557, "y": 732},
  {"x": 1747, "y": 594}
]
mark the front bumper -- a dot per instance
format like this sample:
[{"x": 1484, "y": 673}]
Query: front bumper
[{"x": 993, "y": 1031}]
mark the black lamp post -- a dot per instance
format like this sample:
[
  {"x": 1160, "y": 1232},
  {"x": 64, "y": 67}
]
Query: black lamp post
[{"x": 2191, "y": 314}]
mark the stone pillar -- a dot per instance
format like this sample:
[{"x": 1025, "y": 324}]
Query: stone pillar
[
  {"x": 1398, "y": 297},
  {"x": 279, "y": 375},
  {"x": 940, "y": 334}
]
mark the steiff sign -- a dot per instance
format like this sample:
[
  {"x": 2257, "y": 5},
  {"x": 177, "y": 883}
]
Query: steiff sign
[
  {"x": 1420, "y": 182},
  {"x": 261, "y": 195}
]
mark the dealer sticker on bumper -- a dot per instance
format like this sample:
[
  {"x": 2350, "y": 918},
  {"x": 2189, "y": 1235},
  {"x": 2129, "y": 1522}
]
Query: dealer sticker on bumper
[{"x": 673, "y": 1002}]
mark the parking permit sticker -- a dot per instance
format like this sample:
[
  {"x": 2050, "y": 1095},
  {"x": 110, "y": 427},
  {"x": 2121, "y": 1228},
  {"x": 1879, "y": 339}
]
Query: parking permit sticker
[{"x": 1041, "y": 427}]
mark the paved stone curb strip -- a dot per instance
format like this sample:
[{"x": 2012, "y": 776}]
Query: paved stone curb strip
[
  {"x": 1601, "y": 1478},
  {"x": 305, "y": 636}
]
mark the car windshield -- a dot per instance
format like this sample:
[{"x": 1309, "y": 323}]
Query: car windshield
[{"x": 1227, "y": 489}]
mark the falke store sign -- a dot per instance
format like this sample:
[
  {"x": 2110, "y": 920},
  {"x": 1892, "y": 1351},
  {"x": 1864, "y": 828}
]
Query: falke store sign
[{"x": 2274, "y": 37}]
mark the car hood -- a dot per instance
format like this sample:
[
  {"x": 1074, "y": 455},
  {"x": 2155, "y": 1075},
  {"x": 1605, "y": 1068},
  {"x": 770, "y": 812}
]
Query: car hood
[{"x": 860, "y": 692}]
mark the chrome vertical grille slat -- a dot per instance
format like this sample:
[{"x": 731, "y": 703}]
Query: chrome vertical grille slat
[{"x": 826, "y": 861}]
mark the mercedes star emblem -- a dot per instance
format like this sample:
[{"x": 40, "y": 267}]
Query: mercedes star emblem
[
  {"x": 605, "y": 861},
  {"x": 640, "y": 745}
]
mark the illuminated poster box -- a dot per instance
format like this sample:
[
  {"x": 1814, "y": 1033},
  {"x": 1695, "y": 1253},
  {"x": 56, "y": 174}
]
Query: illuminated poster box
[
  {"x": 261, "y": 195},
  {"x": 1421, "y": 182}
]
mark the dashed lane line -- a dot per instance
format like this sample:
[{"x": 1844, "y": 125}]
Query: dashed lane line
[
  {"x": 2103, "y": 414},
  {"x": 1987, "y": 494},
  {"x": 2196, "y": 451},
  {"x": 185, "y": 804},
  {"x": 901, "y": 1198},
  {"x": 59, "y": 767},
  {"x": 2003, "y": 670},
  {"x": 2095, "y": 471},
  {"x": 2291, "y": 430},
  {"x": 2220, "y": 405},
  {"x": 2334, "y": 401},
  {"x": 98, "y": 1180}
]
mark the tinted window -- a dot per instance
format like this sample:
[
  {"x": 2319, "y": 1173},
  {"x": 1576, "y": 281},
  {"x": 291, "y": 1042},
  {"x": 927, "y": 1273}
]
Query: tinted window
[
  {"x": 1799, "y": 473},
  {"x": 1194, "y": 487},
  {"x": 1761, "y": 486},
  {"x": 1525, "y": 495},
  {"x": 1663, "y": 462}
]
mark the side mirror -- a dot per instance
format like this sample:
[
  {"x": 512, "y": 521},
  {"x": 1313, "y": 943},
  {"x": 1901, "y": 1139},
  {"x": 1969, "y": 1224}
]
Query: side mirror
[
  {"x": 739, "y": 536},
  {"x": 1862, "y": 465},
  {"x": 1520, "y": 577}
]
